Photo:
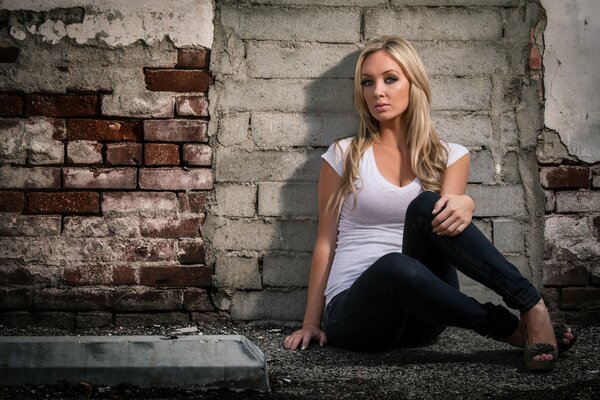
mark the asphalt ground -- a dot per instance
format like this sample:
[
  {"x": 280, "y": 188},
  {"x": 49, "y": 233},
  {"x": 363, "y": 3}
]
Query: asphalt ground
[{"x": 459, "y": 365}]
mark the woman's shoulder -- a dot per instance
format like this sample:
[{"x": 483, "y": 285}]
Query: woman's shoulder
[
  {"x": 336, "y": 153},
  {"x": 455, "y": 151}
]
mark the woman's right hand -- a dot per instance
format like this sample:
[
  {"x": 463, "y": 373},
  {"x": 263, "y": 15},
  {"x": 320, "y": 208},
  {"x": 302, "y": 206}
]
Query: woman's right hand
[{"x": 304, "y": 336}]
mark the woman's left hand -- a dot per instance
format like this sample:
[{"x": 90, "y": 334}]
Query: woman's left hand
[{"x": 454, "y": 214}]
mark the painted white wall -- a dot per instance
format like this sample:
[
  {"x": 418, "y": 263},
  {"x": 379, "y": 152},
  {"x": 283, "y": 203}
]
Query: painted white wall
[
  {"x": 122, "y": 22},
  {"x": 572, "y": 74}
]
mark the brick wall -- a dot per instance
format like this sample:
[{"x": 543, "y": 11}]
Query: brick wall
[{"x": 103, "y": 190}]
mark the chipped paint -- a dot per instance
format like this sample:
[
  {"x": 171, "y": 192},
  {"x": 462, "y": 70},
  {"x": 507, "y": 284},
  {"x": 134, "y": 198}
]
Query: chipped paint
[
  {"x": 117, "y": 22},
  {"x": 572, "y": 75}
]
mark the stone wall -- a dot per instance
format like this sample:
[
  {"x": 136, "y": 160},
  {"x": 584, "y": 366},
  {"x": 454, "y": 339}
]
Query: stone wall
[
  {"x": 104, "y": 164},
  {"x": 283, "y": 92}
]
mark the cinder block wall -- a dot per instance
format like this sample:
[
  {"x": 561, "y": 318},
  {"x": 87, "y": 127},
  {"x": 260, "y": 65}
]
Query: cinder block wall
[
  {"x": 104, "y": 167},
  {"x": 283, "y": 92}
]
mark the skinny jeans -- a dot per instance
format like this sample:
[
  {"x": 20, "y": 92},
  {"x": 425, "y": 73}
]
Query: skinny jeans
[{"x": 408, "y": 298}]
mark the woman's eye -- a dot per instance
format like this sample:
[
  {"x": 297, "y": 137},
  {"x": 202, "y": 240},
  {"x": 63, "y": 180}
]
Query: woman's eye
[
  {"x": 367, "y": 82},
  {"x": 391, "y": 79}
]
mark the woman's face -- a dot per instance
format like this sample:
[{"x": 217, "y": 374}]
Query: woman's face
[{"x": 384, "y": 86}]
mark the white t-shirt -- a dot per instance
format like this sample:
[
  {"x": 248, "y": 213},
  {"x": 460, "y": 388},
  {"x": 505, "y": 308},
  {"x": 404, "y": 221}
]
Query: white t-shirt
[{"x": 375, "y": 227}]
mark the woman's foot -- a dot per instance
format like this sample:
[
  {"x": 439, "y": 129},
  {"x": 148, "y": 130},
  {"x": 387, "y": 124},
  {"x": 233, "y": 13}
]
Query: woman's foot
[
  {"x": 564, "y": 334},
  {"x": 539, "y": 332}
]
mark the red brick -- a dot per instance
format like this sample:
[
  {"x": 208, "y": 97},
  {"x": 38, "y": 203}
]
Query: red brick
[
  {"x": 198, "y": 201},
  {"x": 175, "y": 276},
  {"x": 123, "y": 275},
  {"x": 197, "y": 155},
  {"x": 69, "y": 299},
  {"x": 565, "y": 177},
  {"x": 63, "y": 202},
  {"x": 197, "y": 300},
  {"x": 12, "y": 201},
  {"x": 171, "y": 227},
  {"x": 192, "y": 106},
  {"x": 9, "y": 54},
  {"x": 99, "y": 178},
  {"x": 535, "y": 59},
  {"x": 124, "y": 153},
  {"x": 171, "y": 80},
  {"x": 148, "y": 251},
  {"x": 182, "y": 130},
  {"x": 15, "y": 298},
  {"x": 162, "y": 318},
  {"x": 84, "y": 152},
  {"x": 580, "y": 298},
  {"x": 103, "y": 130},
  {"x": 29, "y": 178},
  {"x": 191, "y": 252},
  {"x": 86, "y": 275},
  {"x": 29, "y": 225},
  {"x": 555, "y": 275},
  {"x": 10, "y": 105},
  {"x": 161, "y": 154},
  {"x": 16, "y": 276},
  {"x": 61, "y": 106},
  {"x": 147, "y": 299},
  {"x": 191, "y": 58},
  {"x": 135, "y": 202},
  {"x": 176, "y": 179}
]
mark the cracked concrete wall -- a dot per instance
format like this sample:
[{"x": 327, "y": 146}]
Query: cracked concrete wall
[
  {"x": 105, "y": 165},
  {"x": 568, "y": 153}
]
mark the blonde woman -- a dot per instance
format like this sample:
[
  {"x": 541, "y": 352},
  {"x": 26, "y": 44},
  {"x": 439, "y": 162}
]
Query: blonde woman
[{"x": 394, "y": 221}]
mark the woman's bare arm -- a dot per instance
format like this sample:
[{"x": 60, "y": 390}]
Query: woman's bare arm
[{"x": 323, "y": 254}]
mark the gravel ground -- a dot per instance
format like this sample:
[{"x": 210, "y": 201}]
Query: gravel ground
[{"x": 459, "y": 365}]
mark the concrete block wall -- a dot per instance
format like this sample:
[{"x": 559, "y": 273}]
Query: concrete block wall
[
  {"x": 283, "y": 92},
  {"x": 105, "y": 168}
]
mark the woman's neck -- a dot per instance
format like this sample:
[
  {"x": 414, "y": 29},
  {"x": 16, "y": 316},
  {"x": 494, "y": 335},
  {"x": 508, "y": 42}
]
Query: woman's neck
[{"x": 392, "y": 135}]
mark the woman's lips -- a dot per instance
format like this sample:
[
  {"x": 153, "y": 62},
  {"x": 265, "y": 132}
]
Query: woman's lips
[{"x": 381, "y": 107}]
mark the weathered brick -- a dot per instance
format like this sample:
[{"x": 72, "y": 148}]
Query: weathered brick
[
  {"x": 565, "y": 275},
  {"x": 15, "y": 298},
  {"x": 56, "y": 319},
  {"x": 161, "y": 154},
  {"x": 191, "y": 252},
  {"x": 233, "y": 130},
  {"x": 19, "y": 319},
  {"x": 464, "y": 94},
  {"x": 235, "y": 200},
  {"x": 485, "y": 227},
  {"x": 197, "y": 202},
  {"x": 11, "y": 105},
  {"x": 585, "y": 249},
  {"x": 95, "y": 274},
  {"x": 565, "y": 177},
  {"x": 69, "y": 299},
  {"x": 171, "y": 227},
  {"x": 84, "y": 152},
  {"x": 291, "y": 235},
  {"x": 29, "y": 225},
  {"x": 193, "y": 275},
  {"x": 163, "y": 318},
  {"x": 176, "y": 178},
  {"x": 286, "y": 271},
  {"x": 16, "y": 276},
  {"x": 304, "y": 24},
  {"x": 237, "y": 272},
  {"x": 124, "y": 153},
  {"x": 170, "y": 80},
  {"x": 558, "y": 227},
  {"x": 93, "y": 319},
  {"x": 197, "y": 300},
  {"x": 175, "y": 130},
  {"x": 135, "y": 202},
  {"x": 192, "y": 58},
  {"x": 9, "y": 54},
  {"x": 550, "y": 200},
  {"x": 581, "y": 201},
  {"x": 29, "y": 178},
  {"x": 266, "y": 166},
  {"x": 192, "y": 106},
  {"x": 197, "y": 155},
  {"x": 142, "y": 299},
  {"x": 124, "y": 227},
  {"x": 287, "y": 199},
  {"x": 35, "y": 140},
  {"x": 99, "y": 178},
  {"x": 103, "y": 130},
  {"x": 498, "y": 200},
  {"x": 63, "y": 202},
  {"x": 61, "y": 106},
  {"x": 482, "y": 167},
  {"x": 509, "y": 236},
  {"x": 12, "y": 201},
  {"x": 580, "y": 298},
  {"x": 510, "y": 168},
  {"x": 137, "y": 102},
  {"x": 268, "y": 305},
  {"x": 483, "y": 24},
  {"x": 551, "y": 298},
  {"x": 438, "y": 3}
]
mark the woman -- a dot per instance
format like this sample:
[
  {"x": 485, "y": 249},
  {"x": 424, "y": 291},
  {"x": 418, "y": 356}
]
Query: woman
[{"x": 393, "y": 221}]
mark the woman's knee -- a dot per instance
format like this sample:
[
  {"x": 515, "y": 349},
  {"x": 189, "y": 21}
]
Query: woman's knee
[
  {"x": 396, "y": 267},
  {"x": 422, "y": 205}
]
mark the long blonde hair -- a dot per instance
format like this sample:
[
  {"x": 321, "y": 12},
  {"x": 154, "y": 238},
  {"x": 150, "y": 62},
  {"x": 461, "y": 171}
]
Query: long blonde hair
[{"x": 428, "y": 155}]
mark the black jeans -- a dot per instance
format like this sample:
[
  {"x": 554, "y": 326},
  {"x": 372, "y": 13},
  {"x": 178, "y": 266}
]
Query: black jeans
[{"x": 409, "y": 298}]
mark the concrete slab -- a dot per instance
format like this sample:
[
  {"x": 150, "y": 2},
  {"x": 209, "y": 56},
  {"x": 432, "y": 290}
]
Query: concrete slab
[{"x": 194, "y": 362}]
